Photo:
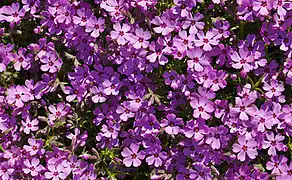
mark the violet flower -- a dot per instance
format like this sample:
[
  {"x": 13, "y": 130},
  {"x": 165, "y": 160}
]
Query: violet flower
[
  {"x": 132, "y": 156},
  {"x": 206, "y": 40},
  {"x": 244, "y": 147}
]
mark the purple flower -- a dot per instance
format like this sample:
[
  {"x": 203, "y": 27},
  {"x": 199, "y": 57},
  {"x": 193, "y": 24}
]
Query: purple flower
[
  {"x": 111, "y": 87},
  {"x": 273, "y": 142},
  {"x": 21, "y": 59},
  {"x": 281, "y": 7},
  {"x": 35, "y": 146},
  {"x": 57, "y": 113},
  {"x": 114, "y": 7},
  {"x": 216, "y": 81},
  {"x": 156, "y": 157},
  {"x": 202, "y": 107},
  {"x": 183, "y": 7},
  {"x": 132, "y": 156},
  {"x": 56, "y": 172},
  {"x": 244, "y": 147},
  {"x": 32, "y": 167},
  {"x": 31, "y": 5},
  {"x": 242, "y": 60},
  {"x": 43, "y": 48},
  {"x": 206, "y": 40},
  {"x": 172, "y": 79},
  {"x": 278, "y": 165},
  {"x": 136, "y": 99},
  {"x": 203, "y": 172},
  {"x": 64, "y": 15},
  {"x": 95, "y": 26},
  {"x": 165, "y": 25},
  {"x": 77, "y": 138},
  {"x": 194, "y": 23},
  {"x": 184, "y": 41},
  {"x": 139, "y": 40},
  {"x": 52, "y": 63},
  {"x": 246, "y": 93},
  {"x": 263, "y": 6},
  {"x": 263, "y": 119},
  {"x": 77, "y": 91},
  {"x": 284, "y": 40},
  {"x": 171, "y": 124},
  {"x": 125, "y": 111},
  {"x": 83, "y": 15},
  {"x": 196, "y": 129},
  {"x": 222, "y": 28},
  {"x": 149, "y": 124},
  {"x": 29, "y": 125},
  {"x": 157, "y": 54},
  {"x": 274, "y": 89},
  {"x": 12, "y": 13},
  {"x": 243, "y": 108},
  {"x": 98, "y": 96},
  {"x": 121, "y": 34},
  {"x": 215, "y": 136},
  {"x": 198, "y": 60},
  {"x": 18, "y": 95},
  {"x": 111, "y": 130},
  {"x": 13, "y": 155},
  {"x": 186, "y": 174},
  {"x": 6, "y": 170}
]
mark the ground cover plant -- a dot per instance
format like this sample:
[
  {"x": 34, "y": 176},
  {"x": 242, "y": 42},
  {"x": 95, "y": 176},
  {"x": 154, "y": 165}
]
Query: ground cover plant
[{"x": 145, "y": 89}]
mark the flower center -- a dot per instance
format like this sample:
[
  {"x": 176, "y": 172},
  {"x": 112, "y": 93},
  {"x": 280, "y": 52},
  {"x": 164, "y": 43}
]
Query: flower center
[
  {"x": 242, "y": 61},
  {"x": 83, "y": 19},
  {"x": 121, "y": 33},
  {"x": 17, "y": 96},
  {"x": 201, "y": 109},
  {"x": 134, "y": 156},
  {"x": 244, "y": 148},
  {"x": 15, "y": 14},
  {"x": 20, "y": 59},
  {"x": 264, "y": 4},
  {"x": 58, "y": 113},
  {"x": 196, "y": 59}
]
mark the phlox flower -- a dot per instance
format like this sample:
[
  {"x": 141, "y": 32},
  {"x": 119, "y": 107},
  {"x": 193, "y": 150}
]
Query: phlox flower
[
  {"x": 132, "y": 156},
  {"x": 244, "y": 147}
]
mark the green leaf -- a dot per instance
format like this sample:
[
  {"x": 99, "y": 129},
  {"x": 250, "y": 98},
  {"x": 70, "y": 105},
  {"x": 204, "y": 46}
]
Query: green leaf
[
  {"x": 1, "y": 148},
  {"x": 258, "y": 82},
  {"x": 5, "y": 132}
]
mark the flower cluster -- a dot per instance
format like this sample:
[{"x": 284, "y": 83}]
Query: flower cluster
[{"x": 145, "y": 89}]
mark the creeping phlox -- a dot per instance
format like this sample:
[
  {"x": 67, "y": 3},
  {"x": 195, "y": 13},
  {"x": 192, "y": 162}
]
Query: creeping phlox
[{"x": 145, "y": 89}]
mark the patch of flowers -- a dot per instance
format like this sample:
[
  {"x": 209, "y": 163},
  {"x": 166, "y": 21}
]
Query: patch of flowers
[{"x": 145, "y": 89}]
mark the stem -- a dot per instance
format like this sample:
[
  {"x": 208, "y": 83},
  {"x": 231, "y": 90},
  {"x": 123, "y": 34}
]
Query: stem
[
  {"x": 241, "y": 30},
  {"x": 258, "y": 82}
]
